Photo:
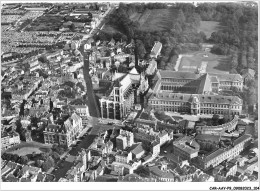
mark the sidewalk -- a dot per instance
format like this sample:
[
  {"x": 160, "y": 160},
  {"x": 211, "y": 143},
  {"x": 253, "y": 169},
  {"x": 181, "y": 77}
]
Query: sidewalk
[{"x": 107, "y": 120}]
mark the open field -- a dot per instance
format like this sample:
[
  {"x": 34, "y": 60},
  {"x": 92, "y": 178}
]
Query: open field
[
  {"x": 213, "y": 63},
  {"x": 26, "y": 150},
  {"x": 135, "y": 16},
  {"x": 209, "y": 27},
  {"x": 156, "y": 19},
  {"x": 46, "y": 22},
  {"x": 109, "y": 29}
]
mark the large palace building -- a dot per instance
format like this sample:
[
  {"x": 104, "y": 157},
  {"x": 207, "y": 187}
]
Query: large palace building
[
  {"x": 175, "y": 81},
  {"x": 195, "y": 93}
]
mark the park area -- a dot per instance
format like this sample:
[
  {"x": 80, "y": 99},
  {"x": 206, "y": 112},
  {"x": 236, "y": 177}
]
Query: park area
[
  {"x": 149, "y": 20},
  {"x": 26, "y": 148},
  {"x": 208, "y": 27},
  {"x": 35, "y": 154},
  {"x": 155, "y": 19},
  {"x": 211, "y": 63}
]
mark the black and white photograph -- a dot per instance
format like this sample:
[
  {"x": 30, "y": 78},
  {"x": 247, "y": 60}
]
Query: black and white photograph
[{"x": 162, "y": 95}]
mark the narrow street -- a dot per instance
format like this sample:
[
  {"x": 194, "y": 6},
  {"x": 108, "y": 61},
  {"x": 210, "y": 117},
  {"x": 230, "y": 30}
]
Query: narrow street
[{"x": 65, "y": 165}]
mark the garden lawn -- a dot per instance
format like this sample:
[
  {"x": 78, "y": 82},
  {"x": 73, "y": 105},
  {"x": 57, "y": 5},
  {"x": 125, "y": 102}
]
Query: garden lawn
[
  {"x": 214, "y": 63},
  {"x": 26, "y": 150},
  {"x": 208, "y": 27}
]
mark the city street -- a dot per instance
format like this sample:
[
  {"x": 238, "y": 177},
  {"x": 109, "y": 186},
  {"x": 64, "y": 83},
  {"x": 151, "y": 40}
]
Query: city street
[{"x": 64, "y": 165}]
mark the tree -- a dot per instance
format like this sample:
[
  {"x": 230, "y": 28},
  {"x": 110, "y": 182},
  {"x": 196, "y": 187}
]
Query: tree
[
  {"x": 51, "y": 161},
  {"x": 234, "y": 60},
  {"x": 38, "y": 163},
  {"x": 55, "y": 156},
  {"x": 223, "y": 120},
  {"x": 33, "y": 154},
  {"x": 220, "y": 49},
  {"x": 202, "y": 36},
  {"x": 46, "y": 166},
  {"x": 24, "y": 160},
  {"x": 26, "y": 67},
  {"x": 176, "y": 28},
  {"x": 15, "y": 158},
  {"x": 140, "y": 48},
  {"x": 181, "y": 17},
  {"x": 72, "y": 27},
  {"x": 7, "y": 156},
  {"x": 48, "y": 151},
  {"x": 215, "y": 119},
  {"x": 251, "y": 63},
  {"x": 251, "y": 96},
  {"x": 243, "y": 59},
  {"x": 44, "y": 156},
  {"x": 43, "y": 59},
  {"x": 251, "y": 83},
  {"x": 54, "y": 146}
]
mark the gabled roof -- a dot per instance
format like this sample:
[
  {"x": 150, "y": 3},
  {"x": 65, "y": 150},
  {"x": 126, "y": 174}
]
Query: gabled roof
[
  {"x": 227, "y": 77},
  {"x": 52, "y": 128},
  {"x": 11, "y": 178},
  {"x": 155, "y": 143},
  {"x": 242, "y": 138},
  {"x": 202, "y": 98},
  {"x": 163, "y": 174},
  {"x": 187, "y": 144},
  {"x": 133, "y": 71},
  {"x": 137, "y": 149},
  {"x": 178, "y": 75},
  {"x": 75, "y": 117},
  {"x": 205, "y": 84},
  {"x": 206, "y": 137},
  {"x": 163, "y": 133},
  {"x": 156, "y": 48},
  {"x": 40, "y": 177},
  {"x": 5, "y": 169},
  {"x": 213, "y": 155},
  {"x": 11, "y": 164},
  {"x": 118, "y": 76},
  {"x": 214, "y": 79}
]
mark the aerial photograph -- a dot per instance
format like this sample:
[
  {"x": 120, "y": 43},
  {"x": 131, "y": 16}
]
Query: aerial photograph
[{"x": 129, "y": 92}]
